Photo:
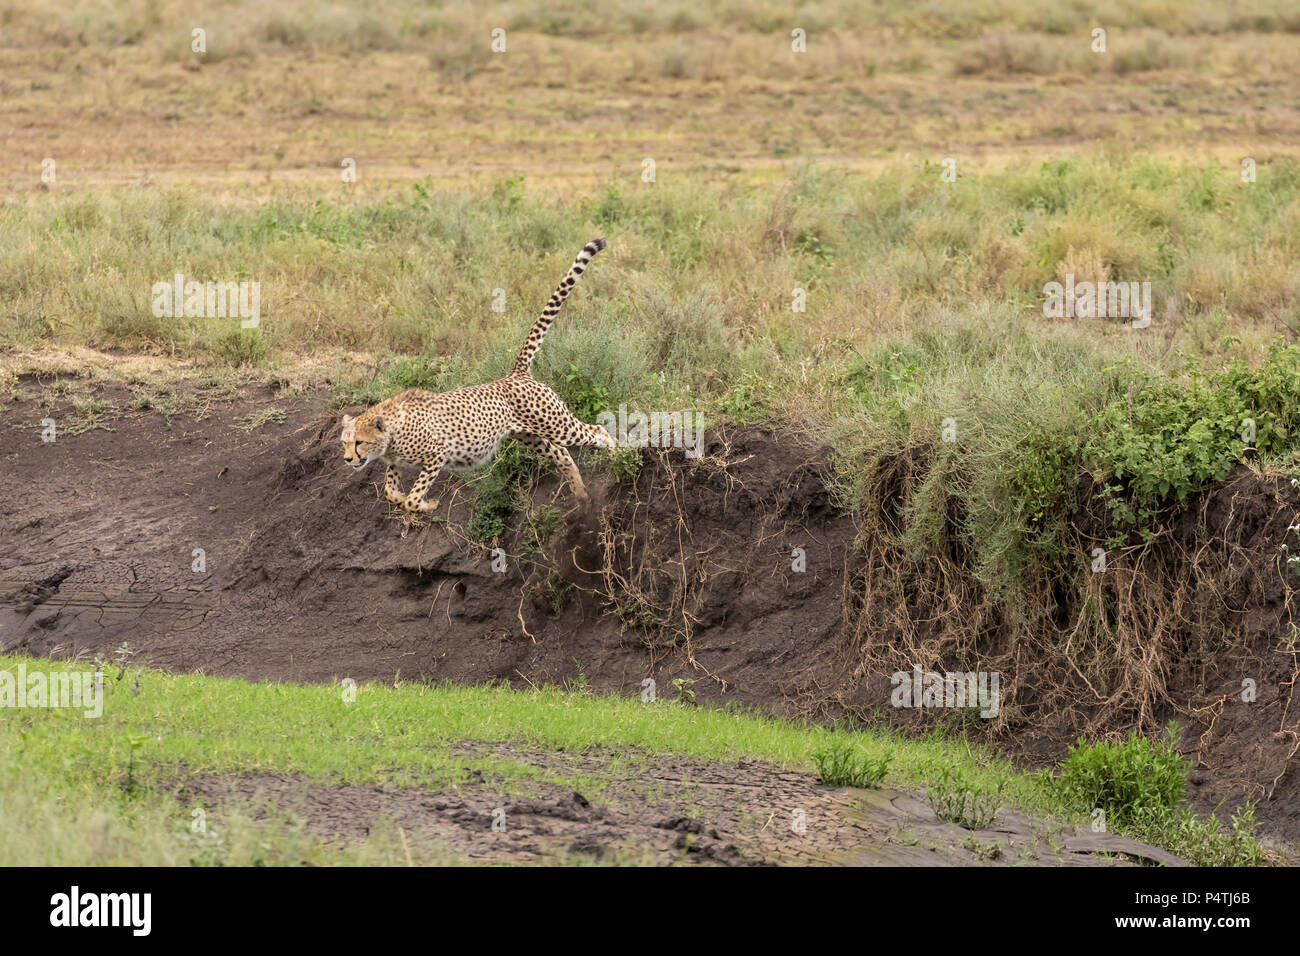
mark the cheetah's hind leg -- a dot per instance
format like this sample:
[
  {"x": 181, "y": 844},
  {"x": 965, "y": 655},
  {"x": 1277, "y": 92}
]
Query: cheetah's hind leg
[{"x": 560, "y": 455}]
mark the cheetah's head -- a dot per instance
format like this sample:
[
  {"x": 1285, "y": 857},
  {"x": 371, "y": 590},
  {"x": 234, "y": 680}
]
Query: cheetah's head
[{"x": 364, "y": 439}]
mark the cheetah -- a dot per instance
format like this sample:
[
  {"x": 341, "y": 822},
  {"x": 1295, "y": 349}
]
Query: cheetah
[{"x": 463, "y": 429}]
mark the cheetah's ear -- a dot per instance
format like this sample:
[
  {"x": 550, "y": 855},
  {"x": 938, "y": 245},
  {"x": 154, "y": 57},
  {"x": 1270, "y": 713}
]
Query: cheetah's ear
[
  {"x": 381, "y": 425},
  {"x": 348, "y": 420}
]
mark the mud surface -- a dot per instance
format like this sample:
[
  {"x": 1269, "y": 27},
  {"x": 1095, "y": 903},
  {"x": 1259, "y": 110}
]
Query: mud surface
[
  {"x": 672, "y": 811},
  {"x": 684, "y": 571}
]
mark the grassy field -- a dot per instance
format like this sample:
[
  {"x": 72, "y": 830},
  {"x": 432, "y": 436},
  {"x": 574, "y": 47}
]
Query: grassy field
[
  {"x": 850, "y": 243},
  {"x": 108, "y": 786},
  {"x": 286, "y": 90},
  {"x": 108, "y": 780},
  {"x": 922, "y": 302}
]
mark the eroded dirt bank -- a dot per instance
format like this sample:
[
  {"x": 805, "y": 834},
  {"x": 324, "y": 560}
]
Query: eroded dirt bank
[{"x": 684, "y": 572}]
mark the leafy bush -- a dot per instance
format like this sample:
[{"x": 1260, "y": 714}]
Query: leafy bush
[
  {"x": 585, "y": 396},
  {"x": 1131, "y": 781},
  {"x": 1154, "y": 443},
  {"x": 626, "y": 464},
  {"x": 1166, "y": 443}
]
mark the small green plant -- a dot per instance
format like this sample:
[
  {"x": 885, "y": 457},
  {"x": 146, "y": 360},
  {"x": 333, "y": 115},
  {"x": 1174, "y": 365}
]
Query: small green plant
[
  {"x": 955, "y": 799},
  {"x": 611, "y": 207},
  {"x": 556, "y": 592},
  {"x": 840, "y": 765},
  {"x": 509, "y": 191},
  {"x": 626, "y": 464},
  {"x": 987, "y": 851},
  {"x": 1201, "y": 842},
  {"x": 585, "y": 396},
  {"x": 541, "y": 526},
  {"x": 135, "y": 742},
  {"x": 822, "y": 256},
  {"x": 496, "y": 492},
  {"x": 637, "y": 611},
  {"x": 743, "y": 403},
  {"x": 1130, "y": 780},
  {"x": 578, "y": 685},
  {"x": 685, "y": 691}
]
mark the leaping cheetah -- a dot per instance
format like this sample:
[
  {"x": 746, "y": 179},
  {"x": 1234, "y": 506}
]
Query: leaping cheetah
[{"x": 463, "y": 428}]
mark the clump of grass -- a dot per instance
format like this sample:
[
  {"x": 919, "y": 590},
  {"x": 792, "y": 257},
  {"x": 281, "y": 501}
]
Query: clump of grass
[
  {"x": 242, "y": 347},
  {"x": 556, "y": 592},
  {"x": 1202, "y": 842},
  {"x": 255, "y": 420},
  {"x": 88, "y": 414},
  {"x": 840, "y": 764},
  {"x": 956, "y": 799}
]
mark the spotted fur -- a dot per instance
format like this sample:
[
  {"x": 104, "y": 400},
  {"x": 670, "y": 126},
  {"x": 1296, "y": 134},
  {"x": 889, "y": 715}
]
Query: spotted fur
[{"x": 464, "y": 428}]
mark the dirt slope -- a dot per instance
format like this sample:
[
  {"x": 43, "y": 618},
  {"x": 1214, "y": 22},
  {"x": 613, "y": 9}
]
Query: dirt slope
[{"x": 685, "y": 572}]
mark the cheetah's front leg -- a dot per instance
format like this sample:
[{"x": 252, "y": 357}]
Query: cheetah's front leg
[
  {"x": 415, "y": 500},
  {"x": 390, "y": 486}
]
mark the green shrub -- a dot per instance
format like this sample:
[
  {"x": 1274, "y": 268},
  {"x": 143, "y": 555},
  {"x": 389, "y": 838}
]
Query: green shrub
[
  {"x": 585, "y": 396},
  {"x": 496, "y": 492},
  {"x": 1137, "y": 780},
  {"x": 242, "y": 347}
]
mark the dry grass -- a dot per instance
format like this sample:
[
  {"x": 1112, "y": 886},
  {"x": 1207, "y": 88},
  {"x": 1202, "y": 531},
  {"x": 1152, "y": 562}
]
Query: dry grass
[{"x": 287, "y": 90}]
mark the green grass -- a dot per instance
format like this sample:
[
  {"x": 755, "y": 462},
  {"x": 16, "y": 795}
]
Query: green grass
[
  {"x": 104, "y": 783},
  {"x": 691, "y": 304},
  {"x": 114, "y": 773},
  {"x": 840, "y": 765},
  {"x": 402, "y": 734},
  {"x": 1138, "y": 786}
]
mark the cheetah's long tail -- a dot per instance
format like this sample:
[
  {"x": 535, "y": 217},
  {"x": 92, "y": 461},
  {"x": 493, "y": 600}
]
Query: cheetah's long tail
[{"x": 532, "y": 344}]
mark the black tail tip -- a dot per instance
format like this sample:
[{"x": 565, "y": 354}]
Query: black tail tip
[{"x": 597, "y": 244}]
